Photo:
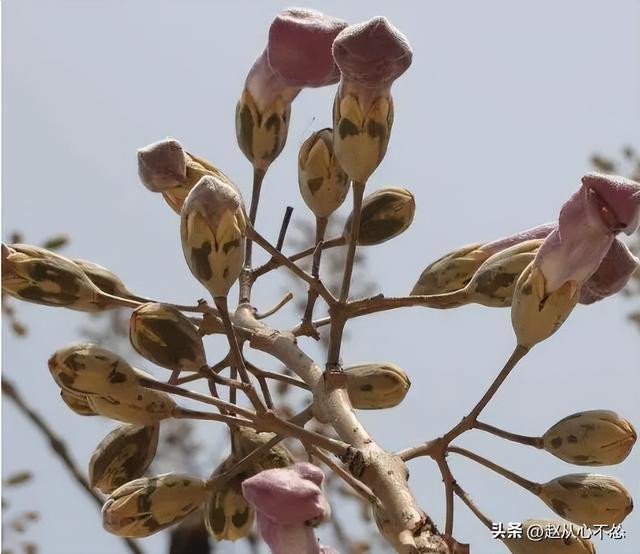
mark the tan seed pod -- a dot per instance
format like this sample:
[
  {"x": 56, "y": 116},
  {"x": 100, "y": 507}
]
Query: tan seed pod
[
  {"x": 592, "y": 438},
  {"x": 376, "y": 386},
  {"x": 451, "y": 272},
  {"x": 385, "y": 214},
  {"x": 227, "y": 515},
  {"x": 569, "y": 542},
  {"x": 37, "y": 275},
  {"x": 494, "y": 282},
  {"x": 105, "y": 280},
  {"x": 88, "y": 369},
  {"x": 261, "y": 133},
  {"x": 147, "y": 505},
  {"x": 142, "y": 407},
  {"x": 588, "y": 499},
  {"x": 245, "y": 440},
  {"x": 165, "y": 336},
  {"x": 323, "y": 183},
  {"x": 536, "y": 315},
  {"x": 79, "y": 403},
  {"x": 361, "y": 133},
  {"x": 122, "y": 456},
  {"x": 213, "y": 230}
]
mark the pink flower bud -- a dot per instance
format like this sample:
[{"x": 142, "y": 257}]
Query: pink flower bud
[
  {"x": 162, "y": 165},
  {"x": 299, "y": 48},
  {"x": 373, "y": 53},
  {"x": 612, "y": 274},
  {"x": 619, "y": 200},
  {"x": 289, "y": 502}
]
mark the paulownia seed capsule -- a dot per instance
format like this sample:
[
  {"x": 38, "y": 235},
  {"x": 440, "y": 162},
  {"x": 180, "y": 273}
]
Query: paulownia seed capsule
[
  {"x": 79, "y": 403},
  {"x": 592, "y": 438},
  {"x": 37, "y": 275},
  {"x": 122, "y": 456},
  {"x": 323, "y": 183},
  {"x": 226, "y": 514},
  {"x": 145, "y": 506},
  {"x": 375, "y": 386},
  {"x": 165, "y": 336},
  {"x": 105, "y": 280},
  {"x": 588, "y": 499},
  {"x": 246, "y": 440},
  {"x": 568, "y": 541},
  {"x": 385, "y": 214}
]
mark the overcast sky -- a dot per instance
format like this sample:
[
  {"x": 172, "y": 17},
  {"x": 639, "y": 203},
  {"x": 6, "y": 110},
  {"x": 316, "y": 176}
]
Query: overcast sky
[{"x": 495, "y": 123}]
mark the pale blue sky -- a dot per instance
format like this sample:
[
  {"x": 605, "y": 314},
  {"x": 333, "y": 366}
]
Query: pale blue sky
[{"x": 495, "y": 123}]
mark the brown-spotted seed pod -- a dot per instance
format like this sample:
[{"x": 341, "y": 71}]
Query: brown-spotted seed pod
[
  {"x": 105, "y": 280},
  {"x": 323, "y": 183},
  {"x": 88, "y": 369},
  {"x": 588, "y": 499},
  {"x": 164, "y": 335},
  {"x": 213, "y": 229},
  {"x": 79, "y": 403},
  {"x": 451, "y": 272},
  {"x": 122, "y": 456},
  {"x": 592, "y": 438},
  {"x": 137, "y": 405},
  {"x": 495, "y": 280},
  {"x": 226, "y": 514},
  {"x": 262, "y": 134},
  {"x": 376, "y": 386},
  {"x": 568, "y": 541},
  {"x": 536, "y": 315},
  {"x": 361, "y": 131},
  {"x": 385, "y": 214},
  {"x": 37, "y": 275},
  {"x": 145, "y": 506},
  {"x": 245, "y": 440}
]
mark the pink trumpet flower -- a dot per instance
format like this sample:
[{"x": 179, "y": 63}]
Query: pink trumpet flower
[
  {"x": 589, "y": 221},
  {"x": 289, "y": 502}
]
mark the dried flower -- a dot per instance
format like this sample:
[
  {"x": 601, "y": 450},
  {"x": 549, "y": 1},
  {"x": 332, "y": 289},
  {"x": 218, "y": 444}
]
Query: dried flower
[
  {"x": 166, "y": 168},
  {"x": 148, "y": 505},
  {"x": 323, "y": 183},
  {"x": 37, "y": 275},
  {"x": 376, "y": 386},
  {"x": 298, "y": 55},
  {"x": 593, "y": 438},
  {"x": 454, "y": 270},
  {"x": 79, "y": 403},
  {"x": 165, "y": 336},
  {"x": 570, "y": 543},
  {"x": 289, "y": 502},
  {"x": 122, "y": 456},
  {"x": 213, "y": 229},
  {"x": 385, "y": 214},
  {"x": 370, "y": 55},
  {"x": 588, "y": 499},
  {"x": 612, "y": 274}
]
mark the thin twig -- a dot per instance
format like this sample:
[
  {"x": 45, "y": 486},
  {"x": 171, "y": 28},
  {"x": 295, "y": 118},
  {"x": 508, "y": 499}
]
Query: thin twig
[
  {"x": 537, "y": 442},
  {"x": 277, "y": 376},
  {"x": 245, "y": 280},
  {"x": 460, "y": 492},
  {"x": 449, "y": 482},
  {"x": 358, "y": 193},
  {"x": 312, "y": 294},
  {"x": 283, "y": 228},
  {"x": 281, "y": 303},
  {"x": 60, "y": 449}
]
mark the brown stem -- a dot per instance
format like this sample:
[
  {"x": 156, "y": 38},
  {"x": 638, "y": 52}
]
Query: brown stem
[
  {"x": 283, "y": 228},
  {"x": 184, "y": 413},
  {"x": 381, "y": 303},
  {"x": 522, "y": 439},
  {"x": 277, "y": 376},
  {"x": 312, "y": 294},
  {"x": 531, "y": 486},
  {"x": 274, "y": 264},
  {"x": 460, "y": 492},
  {"x": 281, "y": 303},
  {"x": 60, "y": 449},
  {"x": 221, "y": 303},
  {"x": 245, "y": 282},
  {"x": 315, "y": 283},
  {"x": 449, "y": 482},
  {"x": 358, "y": 193}
]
